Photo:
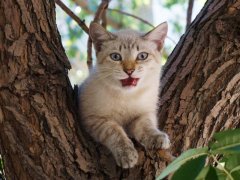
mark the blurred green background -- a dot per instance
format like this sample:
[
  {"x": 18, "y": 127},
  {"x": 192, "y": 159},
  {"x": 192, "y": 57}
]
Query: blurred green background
[{"x": 74, "y": 39}]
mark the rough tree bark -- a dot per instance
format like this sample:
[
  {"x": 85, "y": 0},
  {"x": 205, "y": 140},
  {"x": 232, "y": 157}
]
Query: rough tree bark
[
  {"x": 39, "y": 130},
  {"x": 40, "y": 136},
  {"x": 201, "y": 81}
]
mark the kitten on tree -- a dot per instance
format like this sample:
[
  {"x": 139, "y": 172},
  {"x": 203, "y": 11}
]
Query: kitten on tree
[{"x": 119, "y": 98}]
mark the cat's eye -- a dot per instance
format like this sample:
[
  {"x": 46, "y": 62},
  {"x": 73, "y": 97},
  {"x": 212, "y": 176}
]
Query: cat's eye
[
  {"x": 116, "y": 56},
  {"x": 142, "y": 56}
]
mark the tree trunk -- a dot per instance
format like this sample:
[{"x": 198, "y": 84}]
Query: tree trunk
[
  {"x": 39, "y": 130},
  {"x": 40, "y": 136},
  {"x": 37, "y": 122},
  {"x": 201, "y": 80}
]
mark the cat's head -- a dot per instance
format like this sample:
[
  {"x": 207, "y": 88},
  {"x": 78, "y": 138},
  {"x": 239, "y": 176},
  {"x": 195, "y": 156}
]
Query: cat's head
[{"x": 128, "y": 59}]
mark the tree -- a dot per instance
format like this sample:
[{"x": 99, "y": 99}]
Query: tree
[
  {"x": 201, "y": 80},
  {"x": 40, "y": 136}
]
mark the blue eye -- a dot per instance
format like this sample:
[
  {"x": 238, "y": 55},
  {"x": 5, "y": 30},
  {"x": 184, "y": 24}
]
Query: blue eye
[
  {"x": 116, "y": 56},
  {"x": 142, "y": 56}
]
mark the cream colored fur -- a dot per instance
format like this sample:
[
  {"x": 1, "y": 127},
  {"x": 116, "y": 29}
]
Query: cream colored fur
[{"x": 112, "y": 113}]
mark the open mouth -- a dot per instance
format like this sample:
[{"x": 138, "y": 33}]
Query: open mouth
[{"x": 129, "y": 81}]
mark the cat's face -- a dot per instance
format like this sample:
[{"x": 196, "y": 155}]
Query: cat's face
[{"x": 128, "y": 59}]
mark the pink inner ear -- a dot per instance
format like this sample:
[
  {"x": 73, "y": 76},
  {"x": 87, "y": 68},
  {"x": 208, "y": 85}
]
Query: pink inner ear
[
  {"x": 157, "y": 35},
  {"x": 159, "y": 44}
]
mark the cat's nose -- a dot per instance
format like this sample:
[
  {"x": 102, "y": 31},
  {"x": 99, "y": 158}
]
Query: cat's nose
[{"x": 129, "y": 71}]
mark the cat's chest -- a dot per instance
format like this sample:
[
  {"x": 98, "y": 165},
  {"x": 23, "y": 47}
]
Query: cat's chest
[{"x": 125, "y": 107}]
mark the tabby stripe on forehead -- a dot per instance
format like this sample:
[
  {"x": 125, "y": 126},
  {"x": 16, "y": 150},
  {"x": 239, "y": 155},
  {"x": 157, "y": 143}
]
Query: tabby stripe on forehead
[
  {"x": 120, "y": 47},
  {"x": 137, "y": 47}
]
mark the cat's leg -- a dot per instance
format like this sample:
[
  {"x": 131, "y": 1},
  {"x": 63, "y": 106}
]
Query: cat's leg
[
  {"x": 144, "y": 130},
  {"x": 112, "y": 135}
]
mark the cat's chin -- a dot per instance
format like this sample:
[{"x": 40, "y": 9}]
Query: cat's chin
[{"x": 129, "y": 82}]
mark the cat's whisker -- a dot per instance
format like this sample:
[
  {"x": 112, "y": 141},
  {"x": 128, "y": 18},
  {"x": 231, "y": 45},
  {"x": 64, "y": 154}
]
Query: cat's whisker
[
  {"x": 105, "y": 67},
  {"x": 117, "y": 71},
  {"x": 103, "y": 76}
]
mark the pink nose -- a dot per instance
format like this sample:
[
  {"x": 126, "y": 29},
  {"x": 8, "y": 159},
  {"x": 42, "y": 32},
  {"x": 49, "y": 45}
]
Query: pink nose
[{"x": 129, "y": 71}]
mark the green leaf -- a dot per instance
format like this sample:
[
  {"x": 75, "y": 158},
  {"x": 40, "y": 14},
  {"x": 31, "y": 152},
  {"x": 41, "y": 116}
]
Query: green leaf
[
  {"x": 232, "y": 164},
  {"x": 232, "y": 161},
  {"x": 223, "y": 134},
  {"x": 207, "y": 173},
  {"x": 226, "y": 142},
  {"x": 237, "y": 168},
  {"x": 184, "y": 172},
  {"x": 183, "y": 158},
  {"x": 220, "y": 174}
]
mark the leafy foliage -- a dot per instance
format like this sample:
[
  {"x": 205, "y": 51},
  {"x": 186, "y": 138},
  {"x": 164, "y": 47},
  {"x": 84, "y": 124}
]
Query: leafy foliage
[
  {"x": 223, "y": 160},
  {"x": 75, "y": 40},
  {"x": 226, "y": 142}
]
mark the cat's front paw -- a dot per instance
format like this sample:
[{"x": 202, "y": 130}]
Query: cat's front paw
[
  {"x": 157, "y": 141},
  {"x": 126, "y": 156}
]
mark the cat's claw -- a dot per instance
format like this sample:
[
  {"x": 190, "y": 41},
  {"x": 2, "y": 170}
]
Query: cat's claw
[
  {"x": 165, "y": 142},
  {"x": 126, "y": 157},
  {"x": 157, "y": 141}
]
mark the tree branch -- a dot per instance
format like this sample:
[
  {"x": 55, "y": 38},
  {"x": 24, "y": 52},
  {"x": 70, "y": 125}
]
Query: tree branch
[
  {"x": 189, "y": 13},
  {"x": 97, "y": 18},
  {"x": 140, "y": 19},
  {"x": 102, "y": 7},
  {"x": 80, "y": 22},
  {"x": 131, "y": 15},
  {"x": 84, "y": 5},
  {"x": 89, "y": 53},
  {"x": 100, "y": 15}
]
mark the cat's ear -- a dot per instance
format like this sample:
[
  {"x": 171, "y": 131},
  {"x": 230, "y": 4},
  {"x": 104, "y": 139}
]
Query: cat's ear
[
  {"x": 158, "y": 35},
  {"x": 99, "y": 34}
]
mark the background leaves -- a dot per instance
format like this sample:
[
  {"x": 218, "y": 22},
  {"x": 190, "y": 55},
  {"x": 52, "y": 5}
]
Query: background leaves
[{"x": 75, "y": 40}]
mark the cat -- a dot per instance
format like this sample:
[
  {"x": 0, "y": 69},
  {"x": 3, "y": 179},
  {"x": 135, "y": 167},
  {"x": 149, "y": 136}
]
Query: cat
[{"x": 119, "y": 98}]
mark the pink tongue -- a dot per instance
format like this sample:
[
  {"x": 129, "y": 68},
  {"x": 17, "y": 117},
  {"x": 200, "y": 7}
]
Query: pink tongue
[{"x": 129, "y": 81}]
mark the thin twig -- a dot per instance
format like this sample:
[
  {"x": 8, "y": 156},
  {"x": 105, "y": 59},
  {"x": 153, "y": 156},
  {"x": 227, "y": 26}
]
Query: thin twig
[
  {"x": 100, "y": 14},
  {"x": 97, "y": 18},
  {"x": 131, "y": 15},
  {"x": 140, "y": 19},
  {"x": 102, "y": 7},
  {"x": 189, "y": 13},
  {"x": 89, "y": 53},
  {"x": 84, "y": 5},
  {"x": 80, "y": 22}
]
